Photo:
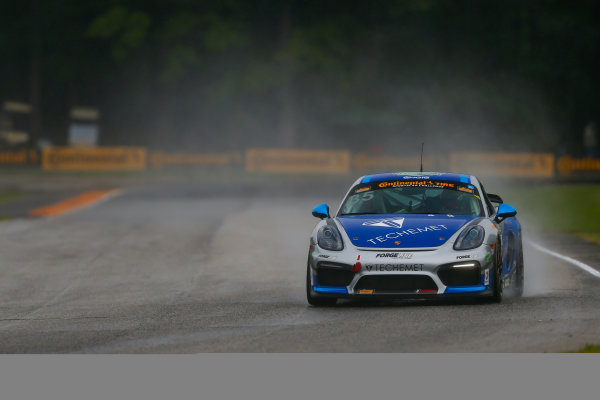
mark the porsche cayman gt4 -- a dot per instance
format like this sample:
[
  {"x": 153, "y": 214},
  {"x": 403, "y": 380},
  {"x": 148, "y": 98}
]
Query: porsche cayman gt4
[{"x": 415, "y": 235}]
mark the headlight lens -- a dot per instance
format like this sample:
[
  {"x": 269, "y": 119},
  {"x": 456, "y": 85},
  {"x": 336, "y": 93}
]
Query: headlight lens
[
  {"x": 470, "y": 238},
  {"x": 329, "y": 238}
]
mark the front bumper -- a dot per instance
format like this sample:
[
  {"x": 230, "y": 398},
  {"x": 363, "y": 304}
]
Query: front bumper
[{"x": 401, "y": 274}]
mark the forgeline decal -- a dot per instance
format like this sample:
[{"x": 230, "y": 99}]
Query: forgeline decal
[
  {"x": 417, "y": 183},
  {"x": 405, "y": 256},
  {"x": 407, "y": 232},
  {"x": 393, "y": 267},
  {"x": 364, "y": 189},
  {"x": 463, "y": 257},
  {"x": 386, "y": 223}
]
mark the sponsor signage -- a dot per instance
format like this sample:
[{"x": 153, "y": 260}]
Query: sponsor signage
[
  {"x": 406, "y": 232},
  {"x": 406, "y": 256},
  {"x": 567, "y": 165},
  {"x": 94, "y": 158},
  {"x": 525, "y": 165},
  {"x": 19, "y": 157},
  {"x": 285, "y": 160},
  {"x": 387, "y": 223},
  {"x": 393, "y": 267}
]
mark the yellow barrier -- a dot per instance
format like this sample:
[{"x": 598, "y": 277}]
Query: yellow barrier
[
  {"x": 158, "y": 159},
  {"x": 19, "y": 157},
  {"x": 566, "y": 165},
  {"x": 284, "y": 160},
  {"x": 94, "y": 158},
  {"x": 363, "y": 162},
  {"x": 526, "y": 165}
]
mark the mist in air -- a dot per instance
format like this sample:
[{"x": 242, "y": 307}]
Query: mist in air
[{"x": 378, "y": 77}]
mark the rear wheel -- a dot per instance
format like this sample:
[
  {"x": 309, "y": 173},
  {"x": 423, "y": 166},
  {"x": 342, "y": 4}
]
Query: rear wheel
[
  {"x": 520, "y": 273},
  {"x": 313, "y": 300},
  {"x": 497, "y": 275}
]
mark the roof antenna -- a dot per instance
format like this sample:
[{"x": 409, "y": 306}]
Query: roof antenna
[{"x": 422, "y": 144}]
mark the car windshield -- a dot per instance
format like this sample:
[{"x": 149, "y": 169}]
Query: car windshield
[{"x": 413, "y": 197}]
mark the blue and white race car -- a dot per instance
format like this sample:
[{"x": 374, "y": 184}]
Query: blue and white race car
[{"x": 415, "y": 234}]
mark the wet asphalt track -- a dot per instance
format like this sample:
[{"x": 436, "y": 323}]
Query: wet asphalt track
[{"x": 205, "y": 268}]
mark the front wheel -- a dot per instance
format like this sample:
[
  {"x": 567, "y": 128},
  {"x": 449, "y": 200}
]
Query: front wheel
[{"x": 313, "y": 300}]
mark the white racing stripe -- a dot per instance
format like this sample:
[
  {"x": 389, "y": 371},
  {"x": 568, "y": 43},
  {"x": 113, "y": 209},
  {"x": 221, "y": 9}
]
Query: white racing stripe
[{"x": 579, "y": 264}]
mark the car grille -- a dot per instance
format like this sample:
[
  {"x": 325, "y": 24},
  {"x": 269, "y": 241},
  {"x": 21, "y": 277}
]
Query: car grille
[
  {"x": 330, "y": 274},
  {"x": 395, "y": 283}
]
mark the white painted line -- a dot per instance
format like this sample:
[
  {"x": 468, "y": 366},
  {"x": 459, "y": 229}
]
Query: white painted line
[{"x": 579, "y": 264}]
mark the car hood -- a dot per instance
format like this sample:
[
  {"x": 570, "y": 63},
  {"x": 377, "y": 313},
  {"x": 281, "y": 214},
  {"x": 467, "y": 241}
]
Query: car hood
[{"x": 402, "y": 231}]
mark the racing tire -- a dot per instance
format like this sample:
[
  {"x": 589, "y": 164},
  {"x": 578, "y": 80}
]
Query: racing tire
[
  {"x": 317, "y": 301},
  {"x": 497, "y": 275},
  {"x": 520, "y": 272}
]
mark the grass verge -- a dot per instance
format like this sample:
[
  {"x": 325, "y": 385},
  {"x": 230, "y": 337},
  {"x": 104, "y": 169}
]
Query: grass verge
[
  {"x": 589, "y": 348},
  {"x": 6, "y": 197},
  {"x": 572, "y": 209}
]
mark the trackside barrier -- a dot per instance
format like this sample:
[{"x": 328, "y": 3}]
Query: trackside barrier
[
  {"x": 517, "y": 165},
  {"x": 19, "y": 157},
  {"x": 94, "y": 158},
  {"x": 284, "y": 160},
  {"x": 367, "y": 162},
  {"x": 159, "y": 159},
  {"x": 567, "y": 165}
]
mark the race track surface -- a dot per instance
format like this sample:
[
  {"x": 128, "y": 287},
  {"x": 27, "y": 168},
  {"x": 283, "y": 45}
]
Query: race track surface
[{"x": 220, "y": 268}]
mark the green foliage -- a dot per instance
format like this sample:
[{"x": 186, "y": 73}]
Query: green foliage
[
  {"x": 524, "y": 72},
  {"x": 127, "y": 30}
]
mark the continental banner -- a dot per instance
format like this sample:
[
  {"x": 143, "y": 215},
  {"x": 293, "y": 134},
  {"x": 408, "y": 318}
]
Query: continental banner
[
  {"x": 285, "y": 160},
  {"x": 19, "y": 157},
  {"x": 160, "y": 159},
  {"x": 94, "y": 158},
  {"x": 513, "y": 165},
  {"x": 567, "y": 165},
  {"x": 367, "y": 162}
]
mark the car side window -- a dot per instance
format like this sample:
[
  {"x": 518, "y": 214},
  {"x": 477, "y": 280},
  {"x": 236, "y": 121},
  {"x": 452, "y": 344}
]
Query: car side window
[{"x": 487, "y": 201}]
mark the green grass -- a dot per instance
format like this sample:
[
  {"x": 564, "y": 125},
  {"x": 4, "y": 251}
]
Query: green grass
[
  {"x": 571, "y": 209},
  {"x": 5, "y": 197},
  {"x": 589, "y": 348}
]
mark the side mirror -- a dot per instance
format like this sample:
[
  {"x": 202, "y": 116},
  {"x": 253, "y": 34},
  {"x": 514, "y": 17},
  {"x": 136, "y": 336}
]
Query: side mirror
[
  {"x": 321, "y": 211},
  {"x": 494, "y": 198},
  {"x": 505, "y": 211}
]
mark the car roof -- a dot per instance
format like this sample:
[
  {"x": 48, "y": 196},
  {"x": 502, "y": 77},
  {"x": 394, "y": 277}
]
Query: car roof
[{"x": 443, "y": 176}]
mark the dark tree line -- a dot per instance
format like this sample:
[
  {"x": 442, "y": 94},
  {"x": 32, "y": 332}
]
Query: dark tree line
[{"x": 226, "y": 74}]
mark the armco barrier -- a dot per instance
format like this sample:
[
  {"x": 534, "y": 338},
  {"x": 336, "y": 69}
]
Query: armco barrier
[
  {"x": 566, "y": 165},
  {"x": 513, "y": 165},
  {"x": 284, "y": 160},
  {"x": 159, "y": 159},
  {"x": 19, "y": 157},
  {"x": 94, "y": 158}
]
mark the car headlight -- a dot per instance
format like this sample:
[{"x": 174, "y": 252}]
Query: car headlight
[
  {"x": 329, "y": 238},
  {"x": 470, "y": 238}
]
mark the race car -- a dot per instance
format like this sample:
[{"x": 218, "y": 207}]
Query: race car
[{"x": 415, "y": 235}]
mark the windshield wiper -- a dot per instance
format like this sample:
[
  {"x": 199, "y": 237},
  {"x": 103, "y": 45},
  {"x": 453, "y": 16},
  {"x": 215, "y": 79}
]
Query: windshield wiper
[{"x": 358, "y": 213}]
